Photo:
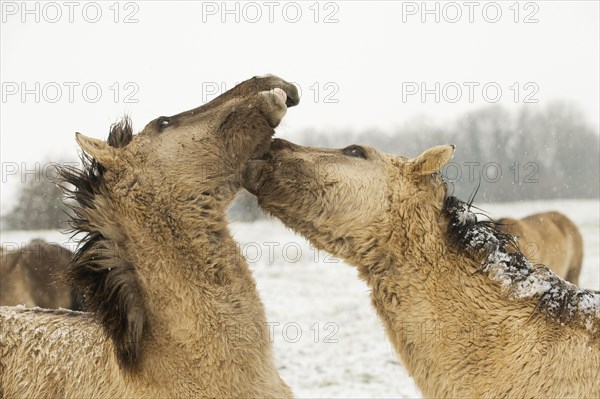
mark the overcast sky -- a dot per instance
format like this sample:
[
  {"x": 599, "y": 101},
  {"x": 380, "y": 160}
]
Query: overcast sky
[{"x": 359, "y": 64}]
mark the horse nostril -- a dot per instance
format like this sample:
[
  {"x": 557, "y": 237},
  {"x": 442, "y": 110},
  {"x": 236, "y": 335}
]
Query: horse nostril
[
  {"x": 293, "y": 98},
  {"x": 290, "y": 102}
]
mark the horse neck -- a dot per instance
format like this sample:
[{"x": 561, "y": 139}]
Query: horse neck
[
  {"x": 197, "y": 285},
  {"x": 435, "y": 302}
]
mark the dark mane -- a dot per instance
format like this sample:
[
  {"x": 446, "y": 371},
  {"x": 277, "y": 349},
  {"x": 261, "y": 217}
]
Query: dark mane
[
  {"x": 559, "y": 299},
  {"x": 99, "y": 270}
]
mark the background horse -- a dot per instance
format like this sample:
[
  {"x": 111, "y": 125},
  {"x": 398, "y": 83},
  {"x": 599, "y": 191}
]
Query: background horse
[{"x": 551, "y": 239}]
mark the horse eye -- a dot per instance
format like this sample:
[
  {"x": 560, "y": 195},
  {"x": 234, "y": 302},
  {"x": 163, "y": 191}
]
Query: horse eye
[
  {"x": 355, "y": 151},
  {"x": 163, "y": 122}
]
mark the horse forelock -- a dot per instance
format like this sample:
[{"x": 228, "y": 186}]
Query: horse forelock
[
  {"x": 100, "y": 269},
  {"x": 503, "y": 263}
]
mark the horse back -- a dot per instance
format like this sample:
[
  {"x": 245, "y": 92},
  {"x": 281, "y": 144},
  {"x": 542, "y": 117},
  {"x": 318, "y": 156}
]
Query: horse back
[{"x": 549, "y": 238}]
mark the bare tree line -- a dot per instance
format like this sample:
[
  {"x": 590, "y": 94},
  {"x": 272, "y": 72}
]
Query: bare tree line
[
  {"x": 530, "y": 154},
  {"x": 541, "y": 153}
]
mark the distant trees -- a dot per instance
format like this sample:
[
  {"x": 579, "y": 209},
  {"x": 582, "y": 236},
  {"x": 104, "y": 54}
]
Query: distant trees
[
  {"x": 530, "y": 154},
  {"x": 39, "y": 205}
]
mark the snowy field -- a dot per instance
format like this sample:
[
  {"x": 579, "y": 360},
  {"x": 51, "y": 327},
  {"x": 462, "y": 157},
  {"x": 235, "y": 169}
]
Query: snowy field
[{"x": 328, "y": 341}]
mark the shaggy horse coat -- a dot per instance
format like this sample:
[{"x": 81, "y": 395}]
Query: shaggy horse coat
[
  {"x": 174, "y": 310},
  {"x": 468, "y": 314}
]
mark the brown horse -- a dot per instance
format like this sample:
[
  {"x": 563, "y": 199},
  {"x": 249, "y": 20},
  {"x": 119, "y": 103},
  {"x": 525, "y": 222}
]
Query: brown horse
[
  {"x": 31, "y": 276},
  {"x": 468, "y": 317},
  {"x": 551, "y": 239},
  {"x": 174, "y": 309}
]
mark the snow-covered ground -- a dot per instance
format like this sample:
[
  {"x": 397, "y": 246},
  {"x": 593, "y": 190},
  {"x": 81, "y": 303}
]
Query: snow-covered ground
[{"x": 328, "y": 340}]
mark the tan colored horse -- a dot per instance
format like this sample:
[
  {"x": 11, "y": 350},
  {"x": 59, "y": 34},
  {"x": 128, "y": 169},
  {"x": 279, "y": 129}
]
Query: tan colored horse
[
  {"x": 174, "y": 309},
  {"x": 31, "y": 276},
  {"x": 551, "y": 239},
  {"x": 469, "y": 317}
]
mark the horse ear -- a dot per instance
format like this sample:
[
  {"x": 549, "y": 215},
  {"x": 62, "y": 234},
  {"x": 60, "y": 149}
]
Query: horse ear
[
  {"x": 433, "y": 159},
  {"x": 97, "y": 149}
]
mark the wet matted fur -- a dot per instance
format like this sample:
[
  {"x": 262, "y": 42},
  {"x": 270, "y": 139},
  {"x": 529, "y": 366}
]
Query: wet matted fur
[
  {"x": 468, "y": 314},
  {"x": 174, "y": 310},
  {"x": 561, "y": 301},
  {"x": 551, "y": 239}
]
